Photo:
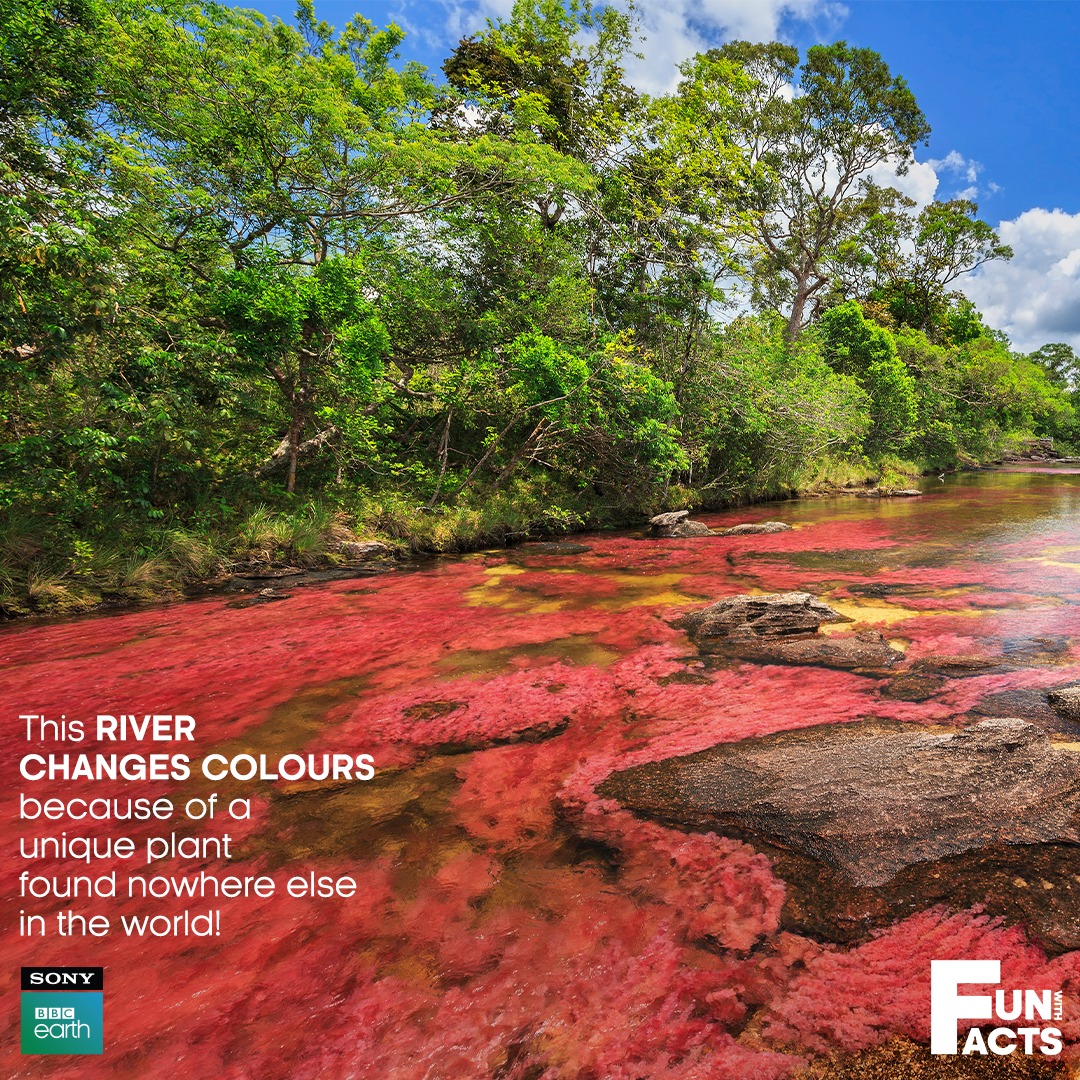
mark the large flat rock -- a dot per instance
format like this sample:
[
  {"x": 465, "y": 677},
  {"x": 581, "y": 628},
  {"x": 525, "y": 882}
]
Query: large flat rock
[
  {"x": 870, "y": 798},
  {"x": 782, "y": 628},
  {"x": 754, "y": 528}
]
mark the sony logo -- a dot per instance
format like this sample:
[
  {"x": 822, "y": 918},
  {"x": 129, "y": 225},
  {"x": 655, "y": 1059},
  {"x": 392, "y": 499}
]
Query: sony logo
[{"x": 61, "y": 978}]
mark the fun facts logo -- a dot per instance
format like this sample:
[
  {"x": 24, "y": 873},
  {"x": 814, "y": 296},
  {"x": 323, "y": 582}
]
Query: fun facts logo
[{"x": 1018, "y": 1014}]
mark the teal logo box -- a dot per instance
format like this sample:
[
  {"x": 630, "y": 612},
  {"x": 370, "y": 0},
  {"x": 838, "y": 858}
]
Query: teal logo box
[{"x": 61, "y": 1021}]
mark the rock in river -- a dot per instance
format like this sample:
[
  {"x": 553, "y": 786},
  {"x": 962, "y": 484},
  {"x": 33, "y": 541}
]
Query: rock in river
[
  {"x": 781, "y": 628},
  {"x": 751, "y": 528},
  {"x": 869, "y": 800},
  {"x": 866, "y": 651},
  {"x": 677, "y": 524},
  {"x": 869, "y": 821},
  {"x": 1066, "y": 702},
  {"x": 749, "y": 617},
  {"x": 672, "y": 517}
]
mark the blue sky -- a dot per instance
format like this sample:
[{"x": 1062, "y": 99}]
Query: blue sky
[{"x": 995, "y": 78}]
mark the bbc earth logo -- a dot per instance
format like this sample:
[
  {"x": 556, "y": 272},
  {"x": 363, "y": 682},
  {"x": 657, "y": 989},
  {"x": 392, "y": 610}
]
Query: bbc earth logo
[{"x": 62, "y": 1011}]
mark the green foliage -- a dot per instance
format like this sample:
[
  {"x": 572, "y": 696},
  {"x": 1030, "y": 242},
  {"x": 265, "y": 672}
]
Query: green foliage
[
  {"x": 1060, "y": 362},
  {"x": 766, "y": 412},
  {"x": 814, "y": 195},
  {"x": 263, "y": 286},
  {"x": 867, "y": 352}
]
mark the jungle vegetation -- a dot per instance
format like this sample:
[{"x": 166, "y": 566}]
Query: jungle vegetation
[{"x": 263, "y": 284}]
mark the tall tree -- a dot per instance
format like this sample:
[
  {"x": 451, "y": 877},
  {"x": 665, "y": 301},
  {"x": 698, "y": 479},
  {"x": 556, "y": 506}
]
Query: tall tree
[{"x": 820, "y": 131}]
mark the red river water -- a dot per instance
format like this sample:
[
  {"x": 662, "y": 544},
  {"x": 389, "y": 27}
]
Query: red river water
[{"x": 507, "y": 922}]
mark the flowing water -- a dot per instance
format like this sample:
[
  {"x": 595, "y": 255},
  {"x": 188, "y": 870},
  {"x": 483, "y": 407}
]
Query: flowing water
[{"x": 508, "y": 922}]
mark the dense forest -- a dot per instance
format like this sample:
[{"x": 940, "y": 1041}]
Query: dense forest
[{"x": 264, "y": 285}]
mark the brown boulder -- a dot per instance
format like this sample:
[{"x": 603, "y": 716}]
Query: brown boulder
[
  {"x": 866, "y": 652},
  {"x": 676, "y": 524},
  {"x": 748, "y": 618},
  {"x": 672, "y": 517},
  {"x": 1066, "y": 702},
  {"x": 955, "y": 666},
  {"x": 869, "y": 798}
]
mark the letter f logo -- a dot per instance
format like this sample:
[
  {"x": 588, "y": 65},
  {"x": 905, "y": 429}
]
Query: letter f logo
[{"x": 946, "y": 1006}]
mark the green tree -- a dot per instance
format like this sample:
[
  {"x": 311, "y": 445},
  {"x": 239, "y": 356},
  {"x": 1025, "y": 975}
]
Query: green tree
[
  {"x": 315, "y": 335},
  {"x": 818, "y": 148},
  {"x": 1060, "y": 362},
  {"x": 860, "y": 348},
  {"x": 555, "y": 71}
]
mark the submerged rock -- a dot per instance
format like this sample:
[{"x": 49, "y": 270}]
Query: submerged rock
[
  {"x": 913, "y": 686},
  {"x": 258, "y": 572},
  {"x": 263, "y": 596},
  {"x": 956, "y": 666},
  {"x": 870, "y": 799},
  {"x": 552, "y": 547},
  {"x": 750, "y": 528},
  {"x": 1028, "y": 702},
  {"x": 889, "y": 493}
]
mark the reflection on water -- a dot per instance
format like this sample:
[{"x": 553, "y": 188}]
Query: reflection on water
[{"x": 508, "y": 922}]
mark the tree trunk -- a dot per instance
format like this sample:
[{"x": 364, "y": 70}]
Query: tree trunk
[{"x": 798, "y": 313}]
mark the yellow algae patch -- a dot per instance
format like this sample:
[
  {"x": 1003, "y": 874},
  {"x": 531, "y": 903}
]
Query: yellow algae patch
[
  {"x": 869, "y": 612},
  {"x": 494, "y": 573},
  {"x": 877, "y": 613},
  {"x": 493, "y": 578},
  {"x": 615, "y": 591},
  {"x": 577, "y": 649},
  {"x": 1072, "y": 747},
  {"x": 637, "y": 590}
]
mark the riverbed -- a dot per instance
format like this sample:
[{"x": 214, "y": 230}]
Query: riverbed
[{"x": 508, "y": 921}]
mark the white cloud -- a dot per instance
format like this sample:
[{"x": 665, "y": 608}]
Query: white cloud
[
  {"x": 920, "y": 182},
  {"x": 955, "y": 162},
  {"x": 959, "y": 176},
  {"x": 1035, "y": 298}
]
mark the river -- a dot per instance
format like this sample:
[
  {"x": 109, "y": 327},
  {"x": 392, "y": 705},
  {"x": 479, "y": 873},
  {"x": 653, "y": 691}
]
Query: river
[{"x": 508, "y": 922}]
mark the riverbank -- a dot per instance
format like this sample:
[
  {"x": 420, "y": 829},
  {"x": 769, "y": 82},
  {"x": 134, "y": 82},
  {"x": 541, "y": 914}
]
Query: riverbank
[{"x": 271, "y": 549}]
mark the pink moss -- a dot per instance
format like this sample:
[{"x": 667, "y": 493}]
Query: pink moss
[{"x": 855, "y": 999}]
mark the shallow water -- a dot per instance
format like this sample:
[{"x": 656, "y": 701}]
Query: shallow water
[{"x": 509, "y": 922}]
